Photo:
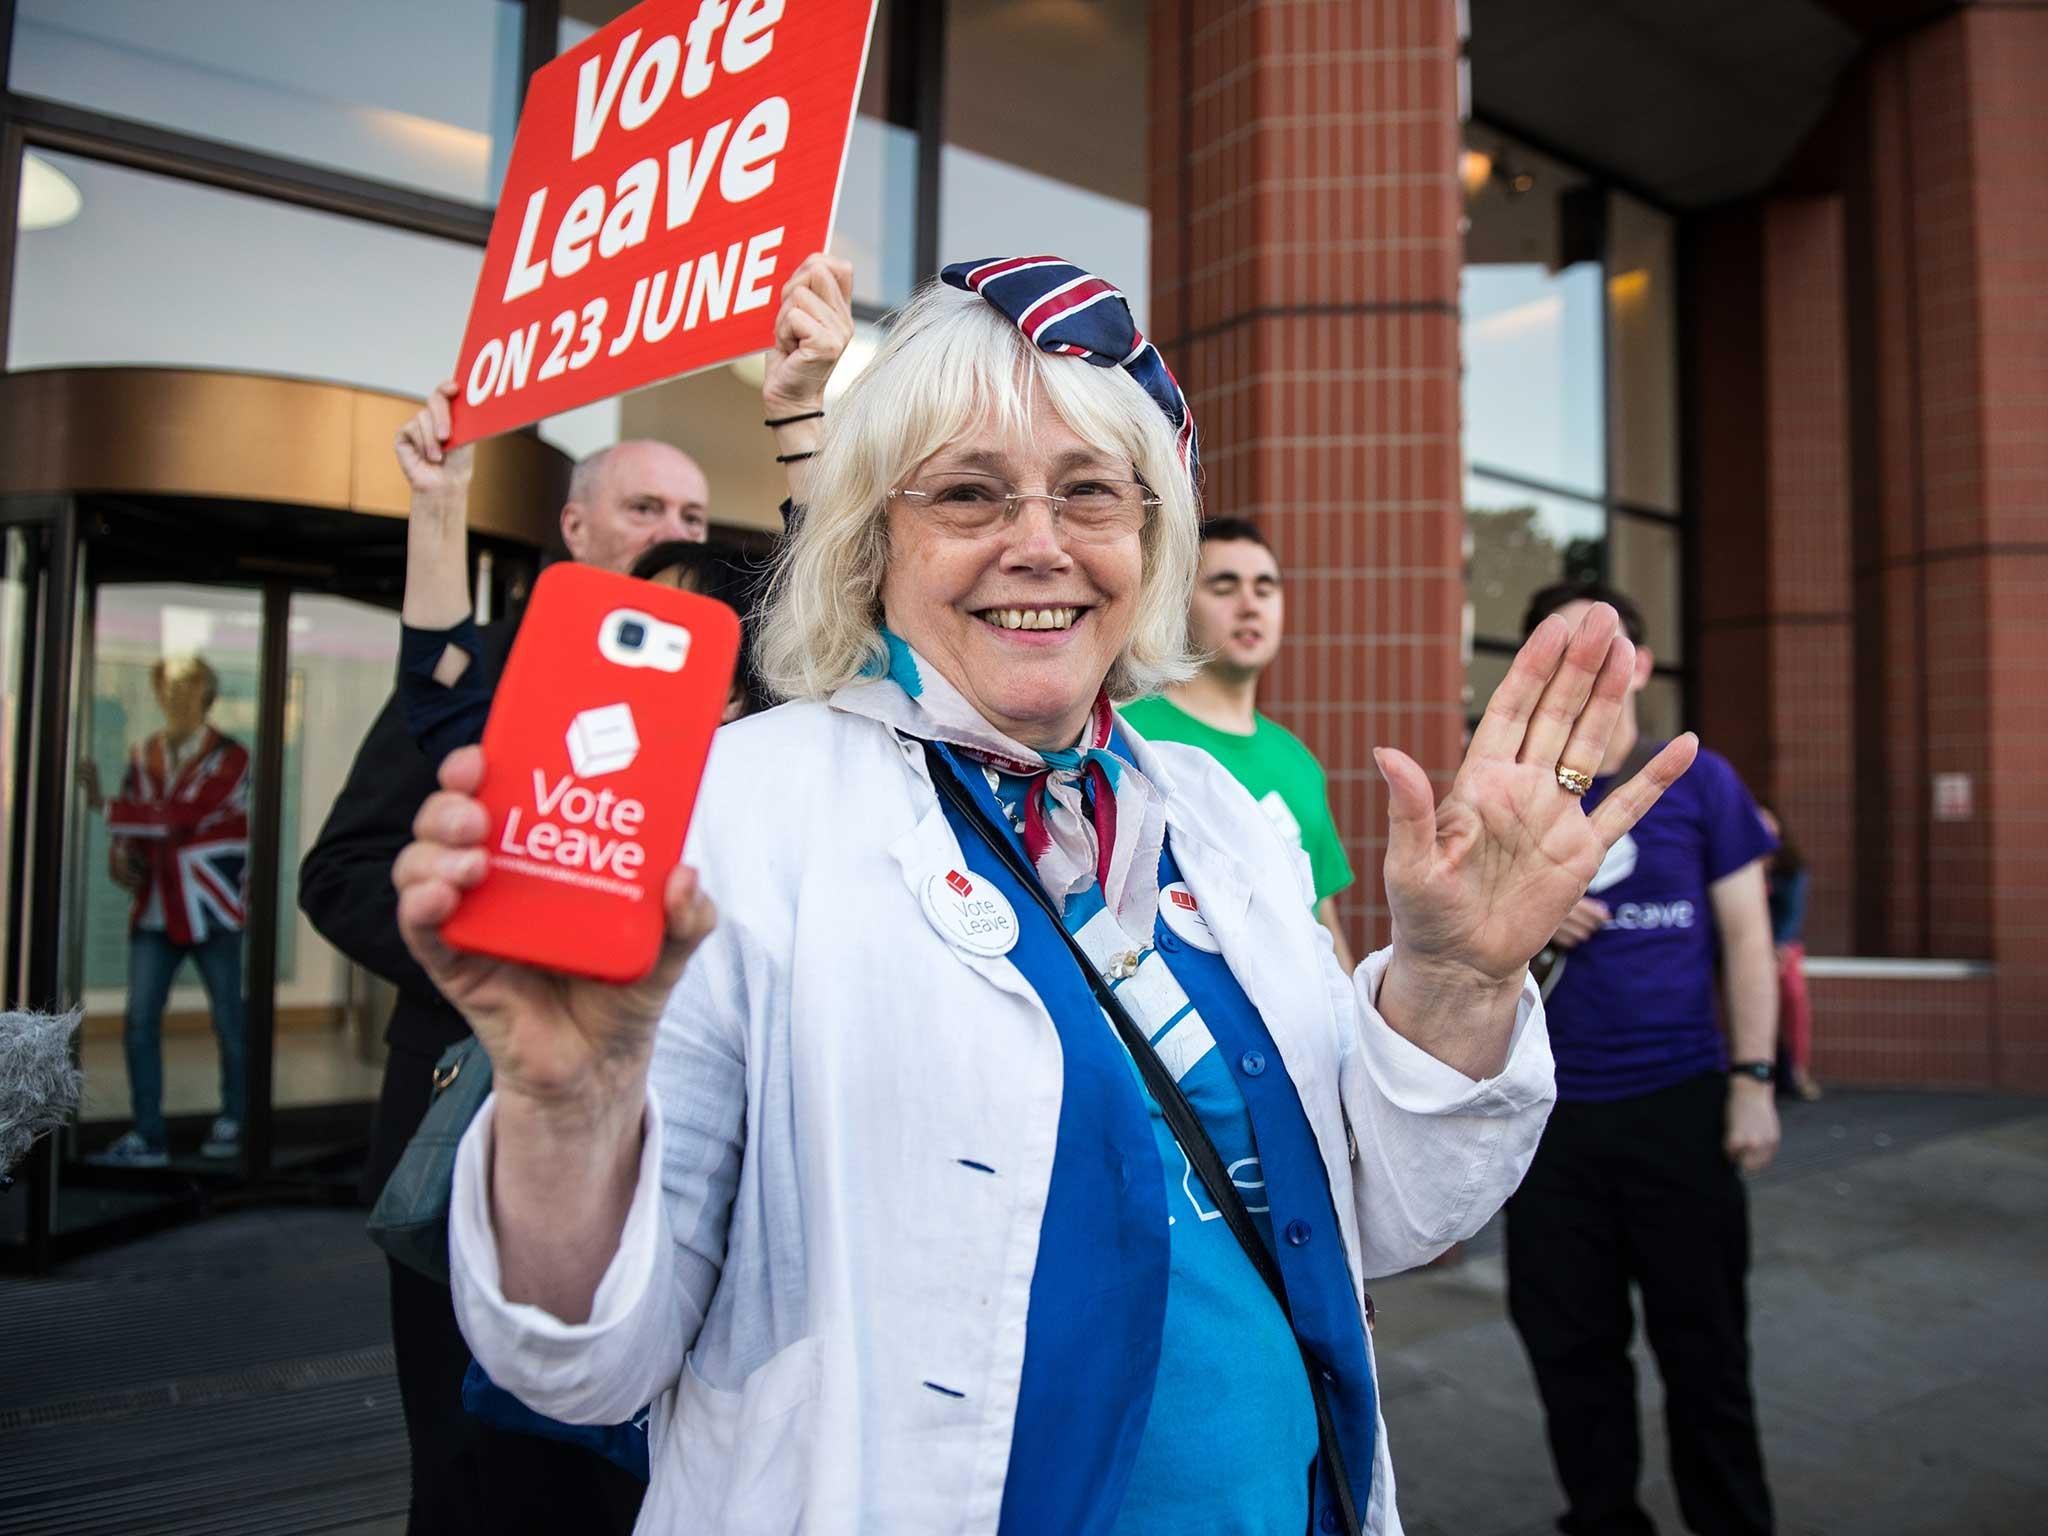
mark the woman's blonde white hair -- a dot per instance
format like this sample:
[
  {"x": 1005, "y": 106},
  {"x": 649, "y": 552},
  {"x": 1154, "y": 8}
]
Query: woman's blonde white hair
[{"x": 950, "y": 366}]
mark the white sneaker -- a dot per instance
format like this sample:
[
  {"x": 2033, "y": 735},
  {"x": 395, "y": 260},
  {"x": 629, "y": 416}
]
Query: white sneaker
[
  {"x": 224, "y": 1140},
  {"x": 131, "y": 1151}
]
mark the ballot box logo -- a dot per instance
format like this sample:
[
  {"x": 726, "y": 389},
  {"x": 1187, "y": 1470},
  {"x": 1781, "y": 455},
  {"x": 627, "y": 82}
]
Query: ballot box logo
[
  {"x": 962, "y": 886},
  {"x": 572, "y": 831},
  {"x": 603, "y": 741}
]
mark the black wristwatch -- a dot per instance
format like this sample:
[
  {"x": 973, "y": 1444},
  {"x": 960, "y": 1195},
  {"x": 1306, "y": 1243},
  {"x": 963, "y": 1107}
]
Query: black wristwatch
[{"x": 1762, "y": 1071}]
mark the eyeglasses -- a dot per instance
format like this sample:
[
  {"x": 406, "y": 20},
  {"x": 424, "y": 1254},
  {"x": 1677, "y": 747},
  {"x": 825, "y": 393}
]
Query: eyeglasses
[{"x": 1089, "y": 510}]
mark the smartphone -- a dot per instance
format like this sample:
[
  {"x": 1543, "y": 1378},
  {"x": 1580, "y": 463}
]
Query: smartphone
[{"x": 593, "y": 752}]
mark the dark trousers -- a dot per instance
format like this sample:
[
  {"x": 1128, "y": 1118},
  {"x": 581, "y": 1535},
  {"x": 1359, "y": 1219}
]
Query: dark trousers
[
  {"x": 468, "y": 1477},
  {"x": 1639, "y": 1191}
]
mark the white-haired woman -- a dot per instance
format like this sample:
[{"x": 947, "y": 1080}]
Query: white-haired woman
[{"x": 861, "y": 1188}]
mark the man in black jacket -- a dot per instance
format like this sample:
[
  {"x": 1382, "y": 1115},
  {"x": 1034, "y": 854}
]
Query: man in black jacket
[{"x": 467, "y": 1476}]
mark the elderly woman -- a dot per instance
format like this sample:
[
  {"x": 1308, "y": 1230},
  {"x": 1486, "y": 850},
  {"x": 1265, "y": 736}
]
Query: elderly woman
[{"x": 858, "y": 1187}]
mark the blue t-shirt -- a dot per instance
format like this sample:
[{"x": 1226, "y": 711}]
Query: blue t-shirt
[
  {"x": 1635, "y": 1009},
  {"x": 1231, "y": 1433}
]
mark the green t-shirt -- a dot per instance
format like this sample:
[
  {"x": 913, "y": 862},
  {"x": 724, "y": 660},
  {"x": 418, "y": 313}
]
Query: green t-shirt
[{"x": 1281, "y": 773}]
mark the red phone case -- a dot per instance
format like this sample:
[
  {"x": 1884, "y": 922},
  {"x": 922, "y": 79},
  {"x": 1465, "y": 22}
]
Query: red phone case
[{"x": 591, "y": 769}]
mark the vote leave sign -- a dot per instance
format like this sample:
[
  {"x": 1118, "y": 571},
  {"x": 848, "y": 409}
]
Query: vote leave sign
[{"x": 669, "y": 173}]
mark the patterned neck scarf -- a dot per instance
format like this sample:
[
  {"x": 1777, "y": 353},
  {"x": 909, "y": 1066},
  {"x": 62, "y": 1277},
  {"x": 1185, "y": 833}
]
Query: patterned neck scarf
[{"x": 1090, "y": 817}]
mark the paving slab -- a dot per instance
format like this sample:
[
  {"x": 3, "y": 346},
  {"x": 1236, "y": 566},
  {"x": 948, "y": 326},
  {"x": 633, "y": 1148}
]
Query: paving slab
[
  {"x": 235, "y": 1376},
  {"x": 1897, "y": 1324}
]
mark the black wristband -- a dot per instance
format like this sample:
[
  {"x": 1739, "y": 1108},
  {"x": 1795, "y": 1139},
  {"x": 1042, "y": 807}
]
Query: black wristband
[
  {"x": 791, "y": 458},
  {"x": 790, "y": 421},
  {"x": 1762, "y": 1071}
]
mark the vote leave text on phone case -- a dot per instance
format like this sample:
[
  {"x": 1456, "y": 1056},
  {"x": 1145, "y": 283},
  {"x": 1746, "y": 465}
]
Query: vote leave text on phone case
[{"x": 597, "y": 739}]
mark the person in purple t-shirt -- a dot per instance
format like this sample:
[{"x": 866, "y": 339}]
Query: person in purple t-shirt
[{"x": 1659, "y": 1112}]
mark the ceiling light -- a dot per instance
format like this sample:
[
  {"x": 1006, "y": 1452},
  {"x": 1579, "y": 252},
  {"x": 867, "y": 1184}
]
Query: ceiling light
[
  {"x": 48, "y": 196},
  {"x": 1475, "y": 169}
]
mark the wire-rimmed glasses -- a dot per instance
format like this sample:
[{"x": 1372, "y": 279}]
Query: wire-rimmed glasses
[{"x": 1089, "y": 509}]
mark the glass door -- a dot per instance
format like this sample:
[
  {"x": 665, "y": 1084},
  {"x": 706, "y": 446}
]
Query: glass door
[
  {"x": 328, "y": 1049},
  {"x": 19, "y": 589},
  {"x": 169, "y": 721}
]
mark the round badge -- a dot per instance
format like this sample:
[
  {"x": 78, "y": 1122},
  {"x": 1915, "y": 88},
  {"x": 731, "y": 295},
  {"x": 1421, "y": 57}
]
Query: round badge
[
  {"x": 970, "y": 913},
  {"x": 1183, "y": 915}
]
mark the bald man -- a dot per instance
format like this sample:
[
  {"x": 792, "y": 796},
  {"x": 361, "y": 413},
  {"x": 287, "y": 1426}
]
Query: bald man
[
  {"x": 625, "y": 499},
  {"x": 468, "y": 1475}
]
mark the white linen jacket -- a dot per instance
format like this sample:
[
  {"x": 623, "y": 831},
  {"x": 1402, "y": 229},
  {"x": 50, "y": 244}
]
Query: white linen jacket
[{"x": 804, "y": 1249}]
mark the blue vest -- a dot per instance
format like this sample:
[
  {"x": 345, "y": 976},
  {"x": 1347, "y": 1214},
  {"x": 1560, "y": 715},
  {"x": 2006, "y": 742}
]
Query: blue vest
[{"x": 1098, "y": 1291}]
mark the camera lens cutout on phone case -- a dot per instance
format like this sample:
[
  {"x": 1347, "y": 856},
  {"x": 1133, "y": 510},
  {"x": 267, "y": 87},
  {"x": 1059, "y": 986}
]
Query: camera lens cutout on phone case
[{"x": 630, "y": 638}]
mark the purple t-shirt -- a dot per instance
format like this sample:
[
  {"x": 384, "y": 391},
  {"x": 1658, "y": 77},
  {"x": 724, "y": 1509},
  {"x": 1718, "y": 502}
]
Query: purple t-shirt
[{"x": 1635, "y": 1009}]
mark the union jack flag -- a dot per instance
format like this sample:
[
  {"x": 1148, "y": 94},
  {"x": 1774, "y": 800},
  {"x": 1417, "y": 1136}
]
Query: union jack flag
[
  {"x": 1066, "y": 309},
  {"x": 191, "y": 827}
]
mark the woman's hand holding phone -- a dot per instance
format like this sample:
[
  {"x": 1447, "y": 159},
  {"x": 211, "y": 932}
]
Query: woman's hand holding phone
[
  {"x": 569, "y": 1057},
  {"x": 566, "y": 1044}
]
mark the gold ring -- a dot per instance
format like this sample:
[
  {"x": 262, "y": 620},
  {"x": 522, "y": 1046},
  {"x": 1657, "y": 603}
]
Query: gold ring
[{"x": 1573, "y": 782}]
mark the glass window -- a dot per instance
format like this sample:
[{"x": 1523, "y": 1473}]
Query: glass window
[
  {"x": 1045, "y": 130},
  {"x": 1523, "y": 541},
  {"x": 1643, "y": 556},
  {"x": 424, "y": 93},
  {"x": 17, "y": 612},
  {"x": 1642, "y": 340},
  {"x": 150, "y": 269},
  {"x": 990, "y": 208},
  {"x": 330, "y": 1013},
  {"x": 1055, "y": 89},
  {"x": 1531, "y": 322},
  {"x": 875, "y": 226}
]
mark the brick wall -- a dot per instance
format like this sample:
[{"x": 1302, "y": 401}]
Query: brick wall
[
  {"x": 1305, "y": 257},
  {"x": 1771, "y": 494},
  {"x": 1878, "y": 325},
  {"x": 1904, "y": 1033}
]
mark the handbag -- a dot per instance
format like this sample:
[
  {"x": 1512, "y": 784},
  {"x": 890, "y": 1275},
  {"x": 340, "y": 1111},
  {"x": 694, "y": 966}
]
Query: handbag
[
  {"x": 410, "y": 1222},
  {"x": 410, "y": 1219},
  {"x": 1181, "y": 1119}
]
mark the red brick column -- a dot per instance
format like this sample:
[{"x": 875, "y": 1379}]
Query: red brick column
[
  {"x": 1775, "y": 621},
  {"x": 1305, "y": 257},
  {"x": 2006, "y": 61}
]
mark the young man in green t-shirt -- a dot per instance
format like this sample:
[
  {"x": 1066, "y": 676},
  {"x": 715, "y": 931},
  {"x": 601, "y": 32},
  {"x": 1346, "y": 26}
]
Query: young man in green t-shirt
[{"x": 1237, "y": 616}]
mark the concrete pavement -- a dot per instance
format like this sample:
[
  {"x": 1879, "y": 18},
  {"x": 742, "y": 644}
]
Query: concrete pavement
[{"x": 1899, "y": 1304}]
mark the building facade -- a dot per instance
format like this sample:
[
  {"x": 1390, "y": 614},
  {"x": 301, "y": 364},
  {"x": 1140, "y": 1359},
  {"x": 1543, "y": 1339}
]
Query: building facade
[
  {"x": 1384, "y": 239},
  {"x": 1734, "y": 307}
]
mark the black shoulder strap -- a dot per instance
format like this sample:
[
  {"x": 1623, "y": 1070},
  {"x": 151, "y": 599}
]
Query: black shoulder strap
[{"x": 1180, "y": 1115}]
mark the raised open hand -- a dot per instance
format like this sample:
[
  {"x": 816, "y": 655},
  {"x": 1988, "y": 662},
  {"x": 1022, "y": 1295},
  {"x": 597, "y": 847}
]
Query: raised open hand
[
  {"x": 554, "y": 1038},
  {"x": 1479, "y": 883}
]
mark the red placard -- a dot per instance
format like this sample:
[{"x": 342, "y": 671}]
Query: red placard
[{"x": 669, "y": 173}]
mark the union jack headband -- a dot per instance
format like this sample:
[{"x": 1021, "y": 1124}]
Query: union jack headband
[{"x": 1063, "y": 309}]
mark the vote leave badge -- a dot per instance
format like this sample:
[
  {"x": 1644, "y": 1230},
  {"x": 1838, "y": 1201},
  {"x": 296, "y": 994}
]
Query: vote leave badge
[
  {"x": 1183, "y": 915},
  {"x": 669, "y": 173},
  {"x": 970, "y": 913}
]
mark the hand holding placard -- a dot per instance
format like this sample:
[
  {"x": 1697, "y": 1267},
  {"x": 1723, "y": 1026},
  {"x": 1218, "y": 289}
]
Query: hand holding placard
[{"x": 663, "y": 170}]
